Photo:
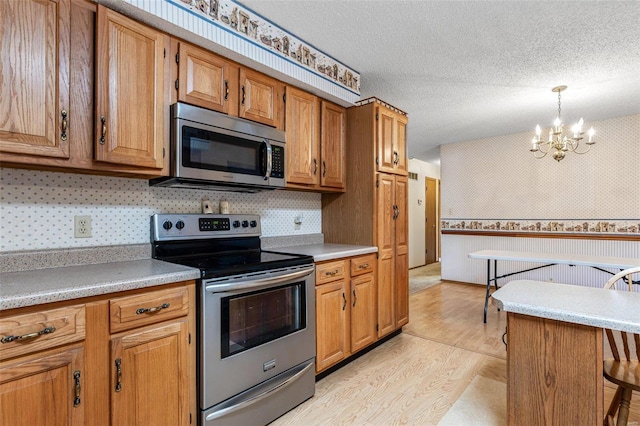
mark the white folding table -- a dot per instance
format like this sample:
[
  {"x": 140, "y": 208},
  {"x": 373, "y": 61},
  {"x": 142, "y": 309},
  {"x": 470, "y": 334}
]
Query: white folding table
[{"x": 549, "y": 259}]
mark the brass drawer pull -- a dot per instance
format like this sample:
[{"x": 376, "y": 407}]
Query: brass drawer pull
[
  {"x": 118, "y": 374},
  {"x": 363, "y": 266},
  {"x": 63, "y": 133},
  {"x": 315, "y": 166},
  {"x": 47, "y": 330},
  {"x": 331, "y": 273},
  {"x": 104, "y": 129},
  {"x": 324, "y": 168},
  {"x": 141, "y": 311},
  {"x": 76, "y": 378}
]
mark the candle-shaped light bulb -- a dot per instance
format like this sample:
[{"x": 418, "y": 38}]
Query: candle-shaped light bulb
[
  {"x": 557, "y": 123},
  {"x": 550, "y": 135},
  {"x": 538, "y": 131},
  {"x": 591, "y": 133},
  {"x": 580, "y": 123},
  {"x": 576, "y": 130}
]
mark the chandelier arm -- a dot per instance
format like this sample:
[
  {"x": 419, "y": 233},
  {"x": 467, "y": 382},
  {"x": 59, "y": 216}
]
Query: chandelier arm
[
  {"x": 575, "y": 151},
  {"x": 537, "y": 157},
  {"x": 545, "y": 144}
]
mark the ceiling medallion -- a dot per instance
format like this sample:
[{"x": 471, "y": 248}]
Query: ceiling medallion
[{"x": 558, "y": 142}]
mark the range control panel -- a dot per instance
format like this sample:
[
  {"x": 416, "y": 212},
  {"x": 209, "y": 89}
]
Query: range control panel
[{"x": 194, "y": 226}]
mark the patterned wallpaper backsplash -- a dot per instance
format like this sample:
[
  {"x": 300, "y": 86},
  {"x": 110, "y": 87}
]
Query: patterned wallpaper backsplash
[{"x": 37, "y": 209}]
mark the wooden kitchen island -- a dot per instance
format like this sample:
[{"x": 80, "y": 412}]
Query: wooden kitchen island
[{"x": 555, "y": 349}]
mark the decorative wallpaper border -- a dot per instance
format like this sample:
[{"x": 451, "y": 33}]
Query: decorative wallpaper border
[
  {"x": 249, "y": 25},
  {"x": 243, "y": 31},
  {"x": 576, "y": 226}
]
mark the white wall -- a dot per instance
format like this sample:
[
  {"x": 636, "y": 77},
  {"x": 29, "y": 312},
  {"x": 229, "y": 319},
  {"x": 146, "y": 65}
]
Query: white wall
[
  {"x": 416, "y": 209},
  {"x": 498, "y": 179},
  {"x": 38, "y": 208}
]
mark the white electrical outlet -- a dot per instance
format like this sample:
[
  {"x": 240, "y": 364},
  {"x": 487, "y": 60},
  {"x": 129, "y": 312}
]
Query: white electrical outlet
[{"x": 82, "y": 226}]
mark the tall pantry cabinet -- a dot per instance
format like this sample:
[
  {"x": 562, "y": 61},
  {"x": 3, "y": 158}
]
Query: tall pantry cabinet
[{"x": 373, "y": 211}]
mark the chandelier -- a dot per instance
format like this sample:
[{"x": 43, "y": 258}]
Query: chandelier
[{"x": 558, "y": 142}]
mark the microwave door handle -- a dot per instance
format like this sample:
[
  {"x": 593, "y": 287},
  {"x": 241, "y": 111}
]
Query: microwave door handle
[{"x": 267, "y": 145}]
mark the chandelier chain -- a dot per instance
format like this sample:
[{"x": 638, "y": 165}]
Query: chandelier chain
[{"x": 559, "y": 104}]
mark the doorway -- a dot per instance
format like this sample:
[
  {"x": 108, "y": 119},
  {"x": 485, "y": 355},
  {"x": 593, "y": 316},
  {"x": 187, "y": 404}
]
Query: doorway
[{"x": 431, "y": 220}]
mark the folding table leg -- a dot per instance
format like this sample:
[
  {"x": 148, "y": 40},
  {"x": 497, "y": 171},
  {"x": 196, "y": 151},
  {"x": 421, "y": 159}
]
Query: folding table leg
[{"x": 486, "y": 298}]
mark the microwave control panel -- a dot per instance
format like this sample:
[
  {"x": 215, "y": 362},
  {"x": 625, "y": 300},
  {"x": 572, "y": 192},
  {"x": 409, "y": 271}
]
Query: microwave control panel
[{"x": 277, "y": 162}]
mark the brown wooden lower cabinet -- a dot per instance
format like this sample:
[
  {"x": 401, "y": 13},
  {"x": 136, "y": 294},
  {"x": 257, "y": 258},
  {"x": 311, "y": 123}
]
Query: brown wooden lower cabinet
[
  {"x": 346, "y": 295},
  {"x": 554, "y": 372},
  {"x": 89, "y": 368},
  {"x": 41, "y": 389}
]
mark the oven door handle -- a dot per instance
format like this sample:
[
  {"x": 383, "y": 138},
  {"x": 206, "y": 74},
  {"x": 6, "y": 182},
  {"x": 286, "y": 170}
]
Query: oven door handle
[
  {"x": 258, "y": 283},
  {"x": 296, "y": 373}
]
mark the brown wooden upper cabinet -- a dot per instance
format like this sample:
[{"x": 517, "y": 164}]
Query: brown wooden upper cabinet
[
  {"x": 131, "y": 91},
  {"x": 302, "y": 124},
  {"x": 205, "y": 79},
  {"x": 210, "y": 81},
  {"x": 333, "y": 139},
  {"x": 34, "y": 97},
  {"x": 391, "y": 156},
  {"x": 316, "y": 142},
  {"x": 261, "y": 98}
]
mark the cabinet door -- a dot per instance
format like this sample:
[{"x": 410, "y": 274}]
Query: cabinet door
[
  {"x": 130, "y": 91},
  {"x": 332, "y": 324},
  {"x": 34, "y": 73},
  {"x": 303, "y": 137},
  {"x": 150, "y": 375},
  {"x": 401, "y": 245},
  {"x": 206, "y": 79},
  {"x": 363, "y": 312},
  {"x": 401, "y": 145},
  {"x": 385, "y": 140},
  {"x": 260, "y": 98},
  {"x": 385, "y": 227},
  {"x": 43, "y": 390},
  {"x": 333, "y": 145}
]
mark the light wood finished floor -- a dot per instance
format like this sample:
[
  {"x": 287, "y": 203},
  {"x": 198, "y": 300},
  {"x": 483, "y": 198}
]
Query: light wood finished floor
[{"x": 417, "y": 376}]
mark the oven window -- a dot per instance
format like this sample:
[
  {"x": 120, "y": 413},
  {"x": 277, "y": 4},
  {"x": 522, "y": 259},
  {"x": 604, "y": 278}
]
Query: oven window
[
  {"x": 204, "y": 149},
  {"x": 253, "y": 319}
]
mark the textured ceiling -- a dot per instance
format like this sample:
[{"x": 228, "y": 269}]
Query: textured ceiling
[{"x": 466, "y": 70}]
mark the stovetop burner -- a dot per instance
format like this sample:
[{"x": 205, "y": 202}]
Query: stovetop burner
[{"x": 218, "y": 245}]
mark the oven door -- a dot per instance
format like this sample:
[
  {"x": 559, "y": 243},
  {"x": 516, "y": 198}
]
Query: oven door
[{"x": 253, "y": 329}]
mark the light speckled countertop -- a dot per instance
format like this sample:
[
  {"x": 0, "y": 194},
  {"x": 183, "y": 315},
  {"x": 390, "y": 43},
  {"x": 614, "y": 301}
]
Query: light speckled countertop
[
  {"x": 596, "y": 307},
  {"x": 27, "y": 288},
  {"x": 321, "y": 252}
]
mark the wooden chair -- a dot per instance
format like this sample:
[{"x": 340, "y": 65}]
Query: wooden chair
[{"x": 624, "y": 372}]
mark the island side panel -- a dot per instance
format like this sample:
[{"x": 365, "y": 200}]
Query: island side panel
[{"x": 554, "y": 372}]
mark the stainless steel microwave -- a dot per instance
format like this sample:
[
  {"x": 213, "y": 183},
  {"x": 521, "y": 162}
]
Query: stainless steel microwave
[{"x": 210, "y": 150}]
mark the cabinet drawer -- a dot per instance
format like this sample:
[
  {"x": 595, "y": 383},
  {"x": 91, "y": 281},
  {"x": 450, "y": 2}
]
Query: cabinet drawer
[
  {"x": 134, "y": 311},
  {"x": 24, "y": 334},
  {"x": 330, "y": 271},
  {"x": 363, "y": 264}
]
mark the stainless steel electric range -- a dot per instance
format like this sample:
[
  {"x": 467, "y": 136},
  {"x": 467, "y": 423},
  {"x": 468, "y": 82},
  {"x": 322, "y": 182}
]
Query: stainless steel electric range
[{"x": 256, "y": 316}]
